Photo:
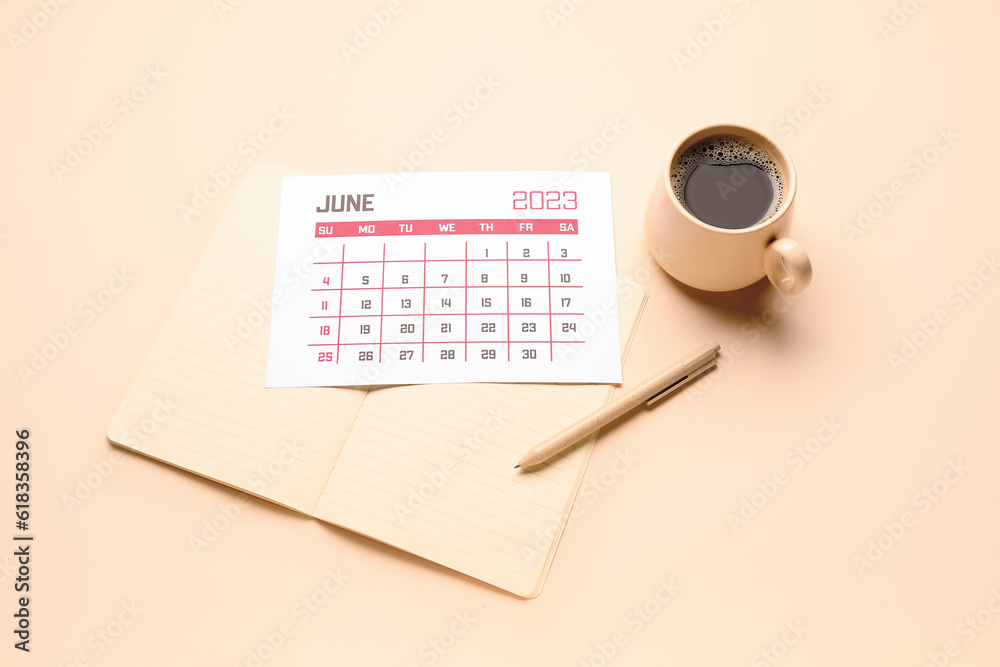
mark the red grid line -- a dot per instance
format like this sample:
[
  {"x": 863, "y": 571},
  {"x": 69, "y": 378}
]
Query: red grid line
[
  {"x": 459, "y": 259},
  {"x": 423, "y": 307},
  {"x": 484, "y": 313},
  {"x": 548, "y": 274},
  {"x": 507, "y": 253},
  {"x": 465, "y": 278},
  {"x": 340, "y": 301},
  {"x": 423, "y": 314},
  {"x": 373, "y": 287},
  {"x": 381, "y": 306},
  {"x": 446, "y": 342}
]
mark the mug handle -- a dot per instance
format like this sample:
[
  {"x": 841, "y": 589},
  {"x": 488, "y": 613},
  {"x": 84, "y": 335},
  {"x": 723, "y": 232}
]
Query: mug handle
[{"x": 787, "y": 265}]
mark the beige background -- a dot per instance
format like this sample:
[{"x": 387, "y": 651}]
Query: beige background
[{"x": 115, "y": 578}]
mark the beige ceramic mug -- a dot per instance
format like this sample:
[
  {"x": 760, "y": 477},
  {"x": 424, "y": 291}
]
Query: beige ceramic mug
[{"x": 714, "y": 258}]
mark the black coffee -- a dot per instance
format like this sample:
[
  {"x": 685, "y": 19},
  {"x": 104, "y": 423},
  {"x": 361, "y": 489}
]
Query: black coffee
[{"x": 727, "y": 181}]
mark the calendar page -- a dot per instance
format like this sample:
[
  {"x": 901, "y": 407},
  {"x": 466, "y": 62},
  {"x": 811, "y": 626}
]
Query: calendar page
[{"x": 444, "y": 277}]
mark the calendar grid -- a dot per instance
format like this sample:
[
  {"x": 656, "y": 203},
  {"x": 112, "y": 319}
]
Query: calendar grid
[
  {"x": 387, "y": 315},
  {"x": 340, "y": 300},
  {"x": 381, "y": 304},
  {"x": 465, "y": 281},
  {"x": 432, "y": 260},
  {"x": 507, "y": 281},
  {"x": 548, "y": 282},
  {"x": 467, "y": 277},
  {"x": 495, "y": 313},
  {"x": 439, "y": 342},
  {"x": 401, "y": 287},
  {"x": 423, "y": 309}
]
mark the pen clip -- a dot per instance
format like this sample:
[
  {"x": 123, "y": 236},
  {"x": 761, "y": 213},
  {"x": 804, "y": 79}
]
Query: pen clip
[{"x": 682, "y": 381}]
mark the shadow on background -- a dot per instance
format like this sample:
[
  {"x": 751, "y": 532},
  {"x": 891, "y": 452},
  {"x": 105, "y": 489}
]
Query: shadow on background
[{"x": 754, "y": 311}]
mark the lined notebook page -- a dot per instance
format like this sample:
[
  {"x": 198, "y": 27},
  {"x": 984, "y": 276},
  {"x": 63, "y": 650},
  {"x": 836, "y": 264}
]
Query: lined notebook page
[
  {"x": 199, "y": 400},
  {"x": 430, "y": 469}
]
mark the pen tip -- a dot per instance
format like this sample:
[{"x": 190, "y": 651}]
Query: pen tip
[{"x": 517, "y": 466}]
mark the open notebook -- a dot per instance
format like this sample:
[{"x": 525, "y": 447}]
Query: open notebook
[{"x": 425, "y": 468}]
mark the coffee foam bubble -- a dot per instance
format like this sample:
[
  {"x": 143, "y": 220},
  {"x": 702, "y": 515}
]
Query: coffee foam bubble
[{"x": 725, "y": 149}]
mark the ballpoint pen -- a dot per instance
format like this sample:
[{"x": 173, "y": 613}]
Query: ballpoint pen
[{"x": 650, "y": 391}]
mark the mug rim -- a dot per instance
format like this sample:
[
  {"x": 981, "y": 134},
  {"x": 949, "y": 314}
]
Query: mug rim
[{"x": 757, "y": 136}]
